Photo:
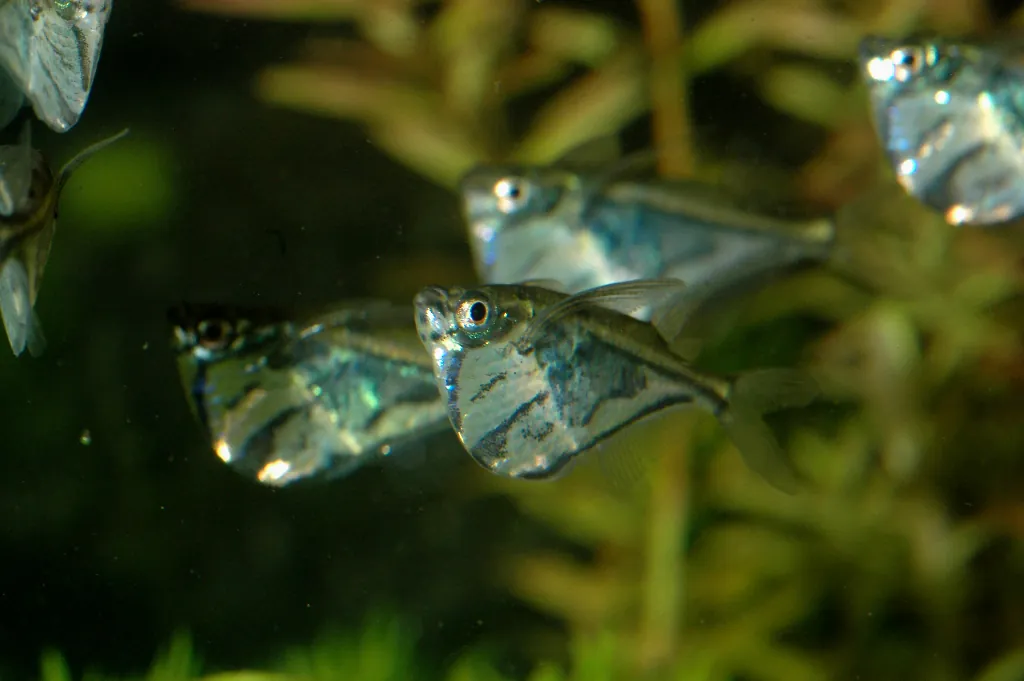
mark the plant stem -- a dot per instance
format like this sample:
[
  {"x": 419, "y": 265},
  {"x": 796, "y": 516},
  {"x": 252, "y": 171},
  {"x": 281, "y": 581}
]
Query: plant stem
[
  {"x": 668, "y": 518},
  {"x": 663, "y": 34}
]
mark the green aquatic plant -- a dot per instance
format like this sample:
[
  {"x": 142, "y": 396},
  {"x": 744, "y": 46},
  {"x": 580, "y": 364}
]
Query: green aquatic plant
[{"x": 385, "y": 651}]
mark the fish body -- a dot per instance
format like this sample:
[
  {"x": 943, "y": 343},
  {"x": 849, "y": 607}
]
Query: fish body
[
  {"x": 50, "y": 49},
  {"x": 950, "y": 115},
  {"x": 586, "y": 231},
  {"x": 29, "y": 199},
  {"x": 284, "y": 399},
  {"x": 28, "y": 207},
  {"x": 534, "y": 377}
]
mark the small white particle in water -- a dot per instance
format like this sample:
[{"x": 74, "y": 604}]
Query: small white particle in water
[
  {"x": 145, "y": 346},
  {"x": 85, "y": 438},
  {"x": 942, "y": 97}
]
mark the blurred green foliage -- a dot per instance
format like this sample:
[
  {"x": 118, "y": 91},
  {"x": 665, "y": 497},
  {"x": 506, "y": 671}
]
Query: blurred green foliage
[{"x": 900, "y": 560}]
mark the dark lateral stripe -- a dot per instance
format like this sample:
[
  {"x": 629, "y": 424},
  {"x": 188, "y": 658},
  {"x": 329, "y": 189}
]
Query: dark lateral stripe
[
  {"x": 497, "y": 439},
  {"x": 450, "y": 375},
  {"x": 199, "y": 395},
  {"x": 259, "y": 448},
  {"x": 489, "y": 385}
]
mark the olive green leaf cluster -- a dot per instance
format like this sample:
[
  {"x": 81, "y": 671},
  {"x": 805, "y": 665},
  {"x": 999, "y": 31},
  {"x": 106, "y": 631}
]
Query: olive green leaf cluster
[{"x": 899, "y": 559}]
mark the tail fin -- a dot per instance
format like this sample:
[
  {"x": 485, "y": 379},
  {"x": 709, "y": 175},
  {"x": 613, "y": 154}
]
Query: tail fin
[
  {"x": 20, "y": 320},
  {"x": 878, "y": 234},
  {"x": 749, "y": 398}
]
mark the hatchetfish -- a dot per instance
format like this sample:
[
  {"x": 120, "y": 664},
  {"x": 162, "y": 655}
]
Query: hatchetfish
[
  {"x": 29, "y": 199},
  {"x": 284, "y": 399},
  {"x": 534, "y": 377},
  {"x": 586, "y": 228},
  {"x": 950, "y": 115},
  {"x": 50, "y": 49}
]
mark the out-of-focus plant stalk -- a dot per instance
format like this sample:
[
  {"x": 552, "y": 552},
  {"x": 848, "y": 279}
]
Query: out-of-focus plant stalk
[
  {"x": 663, "y": 34},
  {"x": 667, "y": 524},
  {"x": 742, "y": 26},
  {"x": 598, "y": 104},
  {"x": 294, "y": 10},
  {"x": 668, "y": 518}
]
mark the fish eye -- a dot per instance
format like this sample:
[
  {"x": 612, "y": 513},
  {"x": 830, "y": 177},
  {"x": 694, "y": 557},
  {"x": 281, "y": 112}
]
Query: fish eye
[
  {"x": 907, "y": 62},
  {"x": 473, "y": 313},
  {"x": 214, "y": 334},
  {"x": 512, "y": 194}
]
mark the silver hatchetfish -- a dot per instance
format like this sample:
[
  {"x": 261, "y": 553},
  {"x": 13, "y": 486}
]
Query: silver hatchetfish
[
  {"x": 315, "y": 397},
  {"x": 29, "y": 199},
  {"x": 50, "y": 50},
  {"x": 586, "y": 227},
  {"x": 950, "y": 115},
  {"x": 534, "y": 377}
]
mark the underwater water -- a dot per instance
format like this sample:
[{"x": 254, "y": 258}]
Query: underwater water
[{"x": 292, "y": 156}]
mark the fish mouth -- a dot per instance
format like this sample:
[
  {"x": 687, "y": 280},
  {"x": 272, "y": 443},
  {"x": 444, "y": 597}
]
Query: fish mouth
[{"x": 431, "y": 305}]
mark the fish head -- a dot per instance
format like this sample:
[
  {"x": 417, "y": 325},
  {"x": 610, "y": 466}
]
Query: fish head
[
  {"x": 220, "y": 351},
  {"x": 454, "y": 320},
  {"x": 486, "y": 377},
  {"x": 79, "y": 12},
  {"x": 897, "y": 69},
  {"x": 498, "y": 199},
  {"x": 914, "y": 68},
  {"x": 207, "y": 333}
]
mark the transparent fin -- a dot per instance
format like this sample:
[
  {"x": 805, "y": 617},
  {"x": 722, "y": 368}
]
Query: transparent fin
[
  {"x": 876, "y": 235},
  {"x": 750, "y": 398},
  {"x": 594, "y": 153},
  {"x": 625, "y": 297},
  {"x": 36, "y": 339},
  {"x": 637, "y": 165},
  {"x": 626, "y": 466},
  {"x": 81, "y": 157},
  {"x": 549, "y": 284},
  {"x": 672, "y": 314},
  {"x": 15, "y": 305},
  {"x": 16, "y": 172},
  {"x": 687, "y": 349}
]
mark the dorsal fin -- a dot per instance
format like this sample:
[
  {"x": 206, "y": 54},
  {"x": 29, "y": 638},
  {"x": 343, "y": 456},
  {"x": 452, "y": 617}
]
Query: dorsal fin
[
  {"x": 549, "y": 284},
  {"x": 626, "y": 297},
  {"x": 84, "y": 155},
  {"x": 595, "y": 153}
]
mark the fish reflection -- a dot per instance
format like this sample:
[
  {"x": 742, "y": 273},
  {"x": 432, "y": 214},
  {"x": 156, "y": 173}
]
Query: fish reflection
[
  {"x": 950, "y": 115},
  {"x": 284, "y": 399},
  {"x": 29, "y": 199},
  {"x": 586, "y": 227},
  {"x": 534, "y": 377}
]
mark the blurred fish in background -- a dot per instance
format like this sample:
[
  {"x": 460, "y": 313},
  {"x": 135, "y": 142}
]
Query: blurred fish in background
[
  {"x": 950, "y": 115},
  {"x": 286, "y": 398}
]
